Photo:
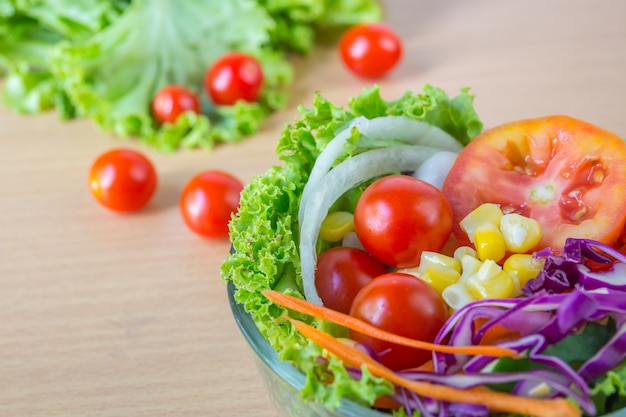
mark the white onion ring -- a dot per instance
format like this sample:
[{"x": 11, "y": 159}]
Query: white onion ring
[
  {"x": 343, "y": 177},
  {"x": 378, "y": 132}
]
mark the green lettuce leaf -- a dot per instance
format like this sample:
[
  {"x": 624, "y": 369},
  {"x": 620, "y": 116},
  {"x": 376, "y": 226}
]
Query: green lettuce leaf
[
  {"x": 30, "y": 30},
  {"x": 298, "y": 23},
  {"x": 609, "y": 392},
  {"x": 264, "y": 232},
  {"x": 106, "y": 59},
  {"x": 112, "y": 76}
]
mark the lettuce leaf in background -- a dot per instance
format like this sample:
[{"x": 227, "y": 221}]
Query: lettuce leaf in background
[
  {"x": 30, "y": 30},
  {"x": 112, "y": 76},
  {"x": 72, "y": 19},
  {"x": 264, "y": 233},
  {"x": 105, "y": 60},
  {"x": 296, "y": 21}
]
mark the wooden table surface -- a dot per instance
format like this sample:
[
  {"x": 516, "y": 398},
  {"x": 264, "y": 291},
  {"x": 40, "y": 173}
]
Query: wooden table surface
[{"x": 126, "y": 315}]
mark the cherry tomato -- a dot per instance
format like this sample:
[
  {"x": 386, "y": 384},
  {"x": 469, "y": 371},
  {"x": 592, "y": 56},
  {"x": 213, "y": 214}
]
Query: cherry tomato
[
  {"x": 208, "y": 201},
  {"x": 233, "y": 77},
  {"x": 122, "y": 180},
  {"x": 565, "y": 173},
  {"x": 172, "y": 101},
  {"x": 370, "y": 50},
  {"x": 398, "y": 217},
  {"x": 405, "y": 305},
  {"x": 340, "y": 274}
]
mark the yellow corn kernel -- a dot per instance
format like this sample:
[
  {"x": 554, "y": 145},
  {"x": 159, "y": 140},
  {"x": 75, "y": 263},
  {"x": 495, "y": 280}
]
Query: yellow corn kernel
[
  {"x": 489, "y": 242},
  {"x": 469, "y": 266},
  {"x": 464, "y": 250},
  {"x": 500, "y": 286},
  {"x": 522, "y": 267},
  {"x": 457, "y": 295},
  {"x": 491, "y": 283},
  {"x": 488, "y": 269},
  {"x": 520, "y": 233},
  {"x": 429, "y": 259},
  {"x": 485, "y": 213},
  {"x": 336, "y": 225},
  {"x": 440, "y": 277}
]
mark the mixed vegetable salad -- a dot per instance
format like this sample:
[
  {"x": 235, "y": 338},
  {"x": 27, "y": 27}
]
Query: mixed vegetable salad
[
  {"x": 107, "y": 59},
  {"x": 407, "y": 260}
]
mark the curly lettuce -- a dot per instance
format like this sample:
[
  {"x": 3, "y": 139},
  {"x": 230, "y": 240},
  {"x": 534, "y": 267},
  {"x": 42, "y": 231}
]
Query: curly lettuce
[
  {"x": 609, "y": 391},
  {"x": 264, "y": 232}
]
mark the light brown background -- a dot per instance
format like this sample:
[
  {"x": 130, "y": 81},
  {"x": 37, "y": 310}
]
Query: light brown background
[{"x": 112, "y": 315}]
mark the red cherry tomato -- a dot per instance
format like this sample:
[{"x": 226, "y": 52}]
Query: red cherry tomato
[
  {"x": 122, "y": 180},
  {"x": 341, "y": 272},
  {"x": 208, "y": 201},
  {"x": 402, "y": 304},
  {"x": 233, "y": 77},
  {"x": 398, "y": 217},
  {"x": 565, "y": 173},
  {"x": 370, "y": 50},
  {"x": 173, "y": 100}
]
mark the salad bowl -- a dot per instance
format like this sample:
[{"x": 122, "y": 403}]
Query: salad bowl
[{"x": 330, "y": 157}]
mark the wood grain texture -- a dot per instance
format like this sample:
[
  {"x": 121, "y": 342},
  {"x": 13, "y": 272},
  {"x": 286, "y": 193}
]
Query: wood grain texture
[{"x": 125, "y": 315}]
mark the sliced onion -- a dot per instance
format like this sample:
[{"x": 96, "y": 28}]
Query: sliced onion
[
  {"x": 324, "y": 162},
  {"x": 435, "y": 169},
  {"x": 406, "y": 130},
  {"x": 376, "y": 133},
  {"x": 345, "y": 176}
]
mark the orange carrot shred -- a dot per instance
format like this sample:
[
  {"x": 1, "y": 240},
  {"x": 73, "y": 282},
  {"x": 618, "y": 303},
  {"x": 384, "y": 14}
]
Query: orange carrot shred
[
  {"x": 495, "y": 401},
  {"x": 306, "y": 307}
]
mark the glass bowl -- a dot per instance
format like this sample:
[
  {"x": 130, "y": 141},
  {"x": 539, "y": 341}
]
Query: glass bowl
[{"x": 284, "y": 382}]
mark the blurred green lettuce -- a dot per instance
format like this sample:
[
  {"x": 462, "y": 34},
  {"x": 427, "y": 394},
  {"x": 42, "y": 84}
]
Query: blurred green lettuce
[{"x": 106, "y": 59}]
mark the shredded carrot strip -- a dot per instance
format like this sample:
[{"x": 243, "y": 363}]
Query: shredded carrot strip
[
  {"x": 361, "y": 326},
  {"x": 495, "y": 401},
  {"x": 425, "y": 367}
]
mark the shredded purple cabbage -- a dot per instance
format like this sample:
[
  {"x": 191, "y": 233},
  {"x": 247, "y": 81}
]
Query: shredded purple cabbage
[
  {"x": 570, "y": 292},
  {"x": 564, "y": 272}
]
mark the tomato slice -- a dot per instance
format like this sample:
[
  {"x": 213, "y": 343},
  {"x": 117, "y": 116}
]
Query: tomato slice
[{"x": 566, "y": 173}]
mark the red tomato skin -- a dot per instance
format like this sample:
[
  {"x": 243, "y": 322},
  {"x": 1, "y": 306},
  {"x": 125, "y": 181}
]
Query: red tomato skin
[
  {"x": 208, "y": 201},
  {"x": 398, "y": 217},
  {"x": 341, "y": 272},
  {"x": 172, "y": 101},
  {"x": 122, "y": 180},
  {"x": 233, "y": 77},
  {"x": 577, "y": 170},
  {"x": 370, "y": 50},
  {"x": 405, "y": 305}
]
